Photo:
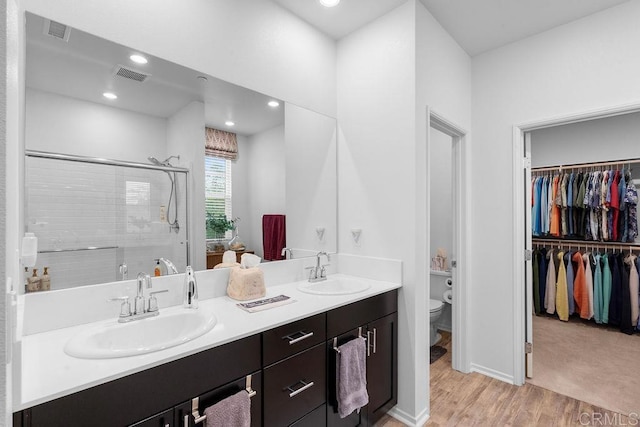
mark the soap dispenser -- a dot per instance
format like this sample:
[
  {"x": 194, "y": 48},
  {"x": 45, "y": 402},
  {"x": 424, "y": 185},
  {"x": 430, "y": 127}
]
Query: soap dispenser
[
  {"x": 34, "y": 282},
  {"x": 157, "y": 271},
  {"x": 45, "y": 280},
  {"x": 190, "y": 290}
]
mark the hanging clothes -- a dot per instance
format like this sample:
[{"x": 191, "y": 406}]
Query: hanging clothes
[
  {"x": 542, "y": 277},
  {"x": 562, "y": 300},
  {"x": 536, "y": 281},
  {"x": 588, "y": 283},
  {"x": 580, "y": 287},
  {"x": 606, "y": 288},
  {"x": 631, "y": 200},
  {"x": 630, "y": 261},
  {"x": 570, "y": 275},
  {"x": 625, "y": 313},
  {"x": 615, "y": 303},
  {"x": 550, "y": 292},
  {"x": 598, "y": 292}
]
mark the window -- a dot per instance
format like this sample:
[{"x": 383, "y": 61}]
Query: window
[{"x": 217, "y": 188}]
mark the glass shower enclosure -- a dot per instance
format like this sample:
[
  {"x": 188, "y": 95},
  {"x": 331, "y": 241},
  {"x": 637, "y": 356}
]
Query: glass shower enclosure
[{"x": 101, "y": 220}]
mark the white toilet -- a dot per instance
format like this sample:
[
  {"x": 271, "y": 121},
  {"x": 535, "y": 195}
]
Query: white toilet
[
  {"x": 435, "y": 310},
  {"x": 440, "y": 286}
]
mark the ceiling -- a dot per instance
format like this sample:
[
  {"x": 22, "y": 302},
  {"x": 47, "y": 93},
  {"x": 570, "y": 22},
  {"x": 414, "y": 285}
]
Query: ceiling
[
  {"x": 83, "y": 67},
  {"x": 477, "y": 25}
]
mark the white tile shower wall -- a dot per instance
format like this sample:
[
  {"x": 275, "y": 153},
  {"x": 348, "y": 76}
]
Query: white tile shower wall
[{"x": 77, "y": 206}]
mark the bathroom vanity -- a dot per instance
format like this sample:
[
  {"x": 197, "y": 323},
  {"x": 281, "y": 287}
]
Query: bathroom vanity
[{"x": 284, "y": 357}]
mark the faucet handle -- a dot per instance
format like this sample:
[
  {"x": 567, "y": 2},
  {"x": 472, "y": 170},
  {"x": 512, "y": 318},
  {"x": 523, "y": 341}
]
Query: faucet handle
[
  {"x": 313, "y": 272},
  {"x": 323, "y": 270},
  {"x": 125, "y": 307},
  {"x": 153, "y": 302}
]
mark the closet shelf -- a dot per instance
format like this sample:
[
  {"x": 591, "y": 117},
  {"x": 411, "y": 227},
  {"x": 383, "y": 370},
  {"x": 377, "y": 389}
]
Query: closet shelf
[
  {"x": 89, "y": 248},
  {"x": 573, "y": 166},
  {"x": 587, "y": 243}
]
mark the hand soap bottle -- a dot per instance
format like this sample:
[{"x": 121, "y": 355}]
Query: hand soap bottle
[
  {"x": 190, "y": 290},
  {"x": 45, "y": 280},
  {"x": 157, "y": 271},
  {"x": 34, "y": 282}
]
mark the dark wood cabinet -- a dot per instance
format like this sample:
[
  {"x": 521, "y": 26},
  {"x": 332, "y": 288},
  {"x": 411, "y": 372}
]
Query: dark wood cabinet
[
  {"x": 292, "y": 369},
  {"x": 164, "y": 419},
  {"x": 376, "y": 319}
]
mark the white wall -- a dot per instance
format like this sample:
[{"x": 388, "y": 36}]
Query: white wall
[
  {"x": 311, "y": 179},
  {"x": 255, "y": 44},
  {"x": 582, "y": 66},
  {"x": 71, "y": 126},
  {"x": 608, "y": 139},
  {"x": 186, "y": 137},
  {"x": 267, "y": 166},
  {"x": 4, "y": 315}
]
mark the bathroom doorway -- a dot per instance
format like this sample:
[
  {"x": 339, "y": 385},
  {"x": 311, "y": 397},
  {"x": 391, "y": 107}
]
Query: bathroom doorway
[{"x": 446, "y": 243}]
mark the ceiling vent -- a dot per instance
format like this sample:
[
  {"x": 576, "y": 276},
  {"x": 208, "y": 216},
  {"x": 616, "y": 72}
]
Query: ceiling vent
[
  {"x": 56, "y": 29},
  {"x": 130, "y": 73}
]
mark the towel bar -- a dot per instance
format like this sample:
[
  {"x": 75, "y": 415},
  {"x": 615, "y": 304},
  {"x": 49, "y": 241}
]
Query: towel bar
[
  {"x": 195, "y": 402},
  {"x": 335, "y": 340}
]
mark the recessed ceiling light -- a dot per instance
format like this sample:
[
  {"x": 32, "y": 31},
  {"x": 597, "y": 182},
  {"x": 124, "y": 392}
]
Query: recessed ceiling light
[
  {"x": 110, "y": 95},
  {"x": 273, "y": 104},
  {"x": 229, "y": 123},
  {"x": 329, "y": 3},
  {"x": 139, "y": 59}
]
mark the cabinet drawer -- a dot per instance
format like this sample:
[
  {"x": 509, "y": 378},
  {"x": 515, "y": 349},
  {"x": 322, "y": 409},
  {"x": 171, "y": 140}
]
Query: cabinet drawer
[
  {"x": 292, "y": 338},
  {"x": 316, "y": 418},
  {"x": 164, "y": 419},
  {"x": 294, "y": 387},
  {"x": 343, "y": 319}
]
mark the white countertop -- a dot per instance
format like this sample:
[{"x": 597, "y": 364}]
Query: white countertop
[{"x": 47, "y": 372}]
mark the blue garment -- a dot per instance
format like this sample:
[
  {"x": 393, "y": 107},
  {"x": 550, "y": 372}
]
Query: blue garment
[
  {"x": 535, "y": 209},
  {"x": 570, "y": 277},
  {"x": 544, "y": 205},
  {"x": 597, "y": 289},
  {"x": 570, "y": 205}
]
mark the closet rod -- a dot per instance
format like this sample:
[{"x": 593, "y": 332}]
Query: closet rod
[
  {"x": 587, "y": 243},
  {"x": 621, "y": 162}
]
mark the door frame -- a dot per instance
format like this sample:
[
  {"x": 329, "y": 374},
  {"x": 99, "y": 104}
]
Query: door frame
[
  {"x": 460, "y": 348},
  {"x": 522, "y": 317}
]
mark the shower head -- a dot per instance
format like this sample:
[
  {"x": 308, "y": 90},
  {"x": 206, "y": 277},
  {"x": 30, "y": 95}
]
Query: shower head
[
  {"x": 165, "y": 163},
  {"x": 154, "y": 161}
]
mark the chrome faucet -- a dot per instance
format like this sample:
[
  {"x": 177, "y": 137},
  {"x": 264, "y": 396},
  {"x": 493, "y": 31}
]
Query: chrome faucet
[
  {"x": 140, "y": 309},
  {"x": 285, "y": 251},
  {"x": 169, "y": 266},
  {"x": 319, "y": 272},
  {"x": 143, "y": 280},
  {"x": 190, "y": 290}
]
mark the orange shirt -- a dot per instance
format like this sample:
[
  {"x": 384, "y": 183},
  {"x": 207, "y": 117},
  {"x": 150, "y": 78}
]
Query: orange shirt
[
  {"x": 580, "y": 294},
  {"x": 555, "y": 210}
]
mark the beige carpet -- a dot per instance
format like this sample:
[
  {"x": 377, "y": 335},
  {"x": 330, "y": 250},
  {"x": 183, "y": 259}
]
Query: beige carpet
[{"x": 595, "y": 364}]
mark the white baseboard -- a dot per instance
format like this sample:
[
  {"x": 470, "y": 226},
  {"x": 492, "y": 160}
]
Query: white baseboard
[
  {"x": 407, "y": 419},
  {"x": 492, "y": 373}
]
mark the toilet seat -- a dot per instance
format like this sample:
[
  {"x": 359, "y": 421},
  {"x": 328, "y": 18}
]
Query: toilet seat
[{"x": 435, "y": 305}]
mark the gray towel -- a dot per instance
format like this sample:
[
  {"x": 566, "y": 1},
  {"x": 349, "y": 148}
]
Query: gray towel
[
  {"x": 234, "y": 411},
  {"x": 351, "y": 376}
]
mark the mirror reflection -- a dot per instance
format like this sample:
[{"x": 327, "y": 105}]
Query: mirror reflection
[{"x": 136, "y": 164}]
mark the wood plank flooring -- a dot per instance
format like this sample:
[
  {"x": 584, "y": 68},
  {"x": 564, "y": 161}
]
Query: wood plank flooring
[{"x": 459, "y": 399}]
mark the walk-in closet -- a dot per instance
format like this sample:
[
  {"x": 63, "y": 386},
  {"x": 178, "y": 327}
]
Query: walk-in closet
[{"x": 585, "y": 179}]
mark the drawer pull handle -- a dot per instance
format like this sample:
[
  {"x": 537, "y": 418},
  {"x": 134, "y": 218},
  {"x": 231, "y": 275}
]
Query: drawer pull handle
[
  {"x": 300, "y": 338},
  {"x": 375, "y": 340},
  {"x": 304, "y": 387}
]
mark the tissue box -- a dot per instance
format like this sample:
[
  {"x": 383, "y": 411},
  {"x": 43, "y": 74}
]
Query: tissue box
[{"x": 246, "y": 283}]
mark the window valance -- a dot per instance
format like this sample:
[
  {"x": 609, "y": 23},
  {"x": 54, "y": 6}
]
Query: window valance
[{"x": 221, "y": 144}]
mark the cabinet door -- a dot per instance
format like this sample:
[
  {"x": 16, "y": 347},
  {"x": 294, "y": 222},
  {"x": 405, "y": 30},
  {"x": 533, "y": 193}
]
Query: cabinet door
[
  {"x": 382, "y": 366},
  {"x": 333, "y": 419},
  {"x": 165, "y": 419}
]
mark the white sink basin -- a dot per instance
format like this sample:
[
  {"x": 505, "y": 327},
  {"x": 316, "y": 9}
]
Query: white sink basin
[
  {"x": 114, "y": 339},
  {"x": 334, "y": 286}
]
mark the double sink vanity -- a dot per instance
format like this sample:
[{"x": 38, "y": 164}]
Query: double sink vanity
[{"x": 165, "y": 370}]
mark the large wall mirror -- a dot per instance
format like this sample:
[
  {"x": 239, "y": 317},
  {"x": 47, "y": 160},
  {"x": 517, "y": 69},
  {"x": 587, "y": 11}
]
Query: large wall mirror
[{"x": 118, "y": 179}]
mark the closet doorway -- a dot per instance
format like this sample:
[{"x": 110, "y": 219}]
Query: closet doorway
[
  {"x": 446, "y": 243},
  {"x": 587, "y": 169}
]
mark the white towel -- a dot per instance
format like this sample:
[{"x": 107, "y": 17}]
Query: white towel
[{"x": 351, "y": 376}]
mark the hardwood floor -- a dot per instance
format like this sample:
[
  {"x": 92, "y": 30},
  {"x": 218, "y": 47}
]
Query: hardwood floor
[{"x": 459, "y": 399}]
